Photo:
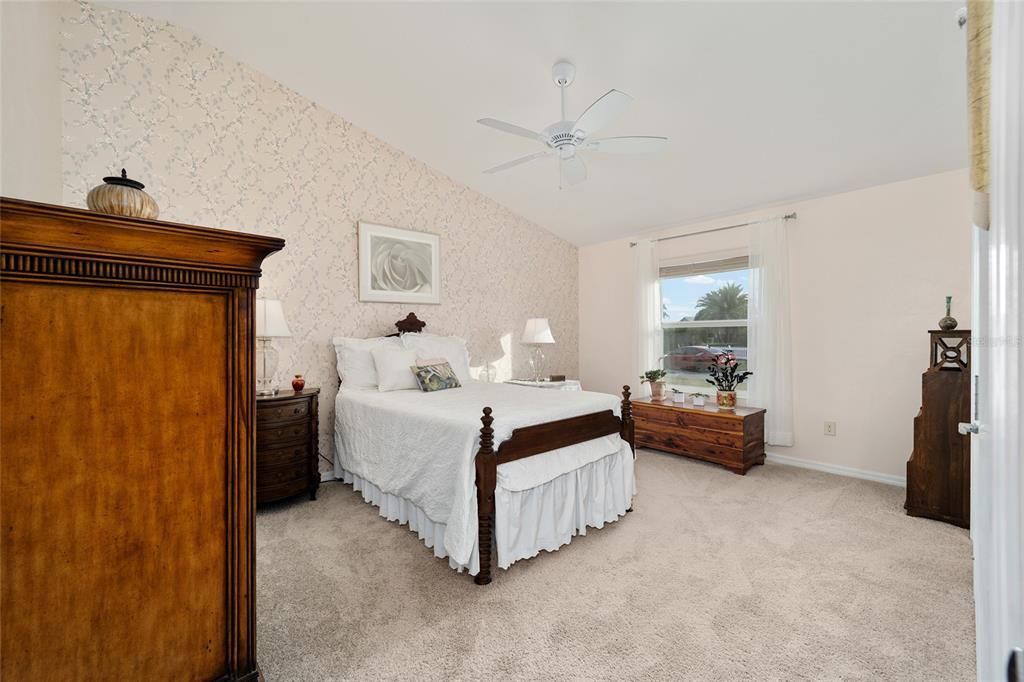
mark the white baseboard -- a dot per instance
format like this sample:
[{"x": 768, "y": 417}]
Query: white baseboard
[
  {"x": 837, "y": 469},
  {"x": 326, "y": 476}
]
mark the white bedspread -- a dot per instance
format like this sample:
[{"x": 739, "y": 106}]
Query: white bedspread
[{"x": 420, "y": 446}]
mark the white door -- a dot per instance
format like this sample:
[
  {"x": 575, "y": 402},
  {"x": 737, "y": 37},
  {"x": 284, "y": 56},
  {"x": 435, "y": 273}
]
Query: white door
[{"x": 997, "y": 472}]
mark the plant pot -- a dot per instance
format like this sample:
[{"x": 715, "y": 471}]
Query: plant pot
[
  {"x": 726, "y": 400},
  {"x": 298, "y": 383},
  {"x": 658, "y": 390},
  {"x": 698, "y": 401},
  {"x": 679, "y": 398}
]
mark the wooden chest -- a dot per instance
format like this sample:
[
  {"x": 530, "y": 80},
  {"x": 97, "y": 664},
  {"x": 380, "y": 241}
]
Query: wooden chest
[
  {"x": 286, "y": 445},
  {"x": 127, "y": 543},
  {"x": 734, "y": 439}
]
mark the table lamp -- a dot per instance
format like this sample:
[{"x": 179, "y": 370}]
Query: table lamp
[
  {"x": 270, "y": 324},
  {"x": 536, "y": 334}
]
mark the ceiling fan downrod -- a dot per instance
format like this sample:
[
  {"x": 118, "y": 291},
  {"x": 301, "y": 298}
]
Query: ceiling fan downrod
[{"x": 563, "y": 73}]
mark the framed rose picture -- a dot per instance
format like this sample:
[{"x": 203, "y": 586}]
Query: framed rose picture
[{"x": 398, "y": 266}]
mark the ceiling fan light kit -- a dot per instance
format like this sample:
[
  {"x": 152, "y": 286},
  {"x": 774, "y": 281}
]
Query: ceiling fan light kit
[{"x": 566, "y": 138}]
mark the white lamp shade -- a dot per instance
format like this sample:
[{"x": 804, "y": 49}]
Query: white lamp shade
[
  {"x": 537, "y": 330},
  {"x": 270, "y": 319}
]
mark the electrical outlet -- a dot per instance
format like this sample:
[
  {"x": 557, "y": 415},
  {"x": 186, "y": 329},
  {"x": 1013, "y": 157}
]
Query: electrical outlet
[{"x": 830, "y": 428}]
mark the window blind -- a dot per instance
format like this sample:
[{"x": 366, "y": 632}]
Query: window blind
[{"x": 706, "y": 267}]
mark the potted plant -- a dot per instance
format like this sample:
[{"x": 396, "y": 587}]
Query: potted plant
[
  {"x": 678, "y": 396},
  {"x": 698, "y": 399},
  {"x": 725, "y": 377},
  {"x": 656, "y": 378}
]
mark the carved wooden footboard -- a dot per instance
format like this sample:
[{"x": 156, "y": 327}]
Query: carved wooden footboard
[{"x": 527, "y": 442}]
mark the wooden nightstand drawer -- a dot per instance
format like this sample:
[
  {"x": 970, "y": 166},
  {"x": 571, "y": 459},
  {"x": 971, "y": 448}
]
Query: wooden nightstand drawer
[
  {"x": 287, "y": 457},
  {"x": 290, "y": 456},
  {"x": 284, "y": 410},
  {"x": 273, "y": 435},
  {"x": 277, "y": 482}
]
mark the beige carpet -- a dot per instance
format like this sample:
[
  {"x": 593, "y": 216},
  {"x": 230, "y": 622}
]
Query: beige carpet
[{"x": 782, "y": 574}]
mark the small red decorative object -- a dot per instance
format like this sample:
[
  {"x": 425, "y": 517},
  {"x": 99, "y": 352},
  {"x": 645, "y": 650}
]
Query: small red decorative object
[{"x": 298, "y": 383}]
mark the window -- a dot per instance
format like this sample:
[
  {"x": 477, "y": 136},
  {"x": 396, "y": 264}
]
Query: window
[{"x": 703, "y": 312}]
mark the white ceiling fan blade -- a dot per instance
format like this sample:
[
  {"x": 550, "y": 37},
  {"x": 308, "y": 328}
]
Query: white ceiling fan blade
[
  {"x": 602, "y": 112},
  {"x": 573, "y": 171},
  {"x": 509, "y": 128},
  {"x": 633, "y": 144},
  {"x": 516, "y": 162}
]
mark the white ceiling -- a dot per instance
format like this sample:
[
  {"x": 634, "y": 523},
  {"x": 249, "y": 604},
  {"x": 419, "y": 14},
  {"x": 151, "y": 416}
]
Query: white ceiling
[{"x": 763, "y": 102}]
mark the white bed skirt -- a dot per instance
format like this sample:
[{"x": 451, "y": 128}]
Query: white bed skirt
[{"x": 526, "y": 521}]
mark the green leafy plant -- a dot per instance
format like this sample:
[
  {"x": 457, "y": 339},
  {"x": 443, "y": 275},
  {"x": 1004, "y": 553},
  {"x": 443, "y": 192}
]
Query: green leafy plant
[
  {"x": 695, "y": 395},
  {"x": 652, "y": 375}
]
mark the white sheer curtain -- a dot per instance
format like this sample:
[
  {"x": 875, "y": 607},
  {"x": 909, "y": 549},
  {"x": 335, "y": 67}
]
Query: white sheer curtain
[
  {"x": 997, "y": 514},
  {"x": 649, "y": 339},
  {"x": 770, "y": 355}
]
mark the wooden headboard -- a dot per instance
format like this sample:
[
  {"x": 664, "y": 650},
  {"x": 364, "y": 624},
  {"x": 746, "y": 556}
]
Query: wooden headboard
[{"x": 410, "y": 325}]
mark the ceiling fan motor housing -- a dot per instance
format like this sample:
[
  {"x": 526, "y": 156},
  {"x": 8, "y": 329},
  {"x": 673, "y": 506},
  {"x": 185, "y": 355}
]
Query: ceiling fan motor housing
[{"x": 558, "y": 135}]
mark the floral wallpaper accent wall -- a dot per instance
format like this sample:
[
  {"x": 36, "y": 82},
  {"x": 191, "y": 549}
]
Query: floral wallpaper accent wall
[{"x": 220, "y": 144}]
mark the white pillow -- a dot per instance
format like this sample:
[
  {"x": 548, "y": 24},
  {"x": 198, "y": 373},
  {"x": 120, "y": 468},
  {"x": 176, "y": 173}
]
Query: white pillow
[
  {"x": 451, "y": 348},
  {"x": 355, "y": 363},
  {"x": 394, "y": 368}
]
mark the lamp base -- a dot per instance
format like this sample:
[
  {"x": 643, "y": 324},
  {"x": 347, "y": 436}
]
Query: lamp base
[
  {"x": 537, "y": 363},
  {"x": 266, "y": 365}
]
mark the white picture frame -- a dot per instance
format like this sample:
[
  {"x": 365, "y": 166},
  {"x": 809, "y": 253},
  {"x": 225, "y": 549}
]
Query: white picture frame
[{"x": 398, "y": 265}]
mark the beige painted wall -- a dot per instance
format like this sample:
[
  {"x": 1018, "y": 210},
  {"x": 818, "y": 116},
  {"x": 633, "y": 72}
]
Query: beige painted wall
[
  {"x": 869, "y": 273},
  {"x": 30, "y": 146},
  {"x": 220, "y": 144}
]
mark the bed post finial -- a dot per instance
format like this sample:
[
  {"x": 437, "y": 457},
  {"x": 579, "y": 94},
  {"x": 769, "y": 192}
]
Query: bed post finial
[
  {"x": 627, "y": 420},
  {"x": 486, "y": 481},
  {"x": 487, "y": 433}
]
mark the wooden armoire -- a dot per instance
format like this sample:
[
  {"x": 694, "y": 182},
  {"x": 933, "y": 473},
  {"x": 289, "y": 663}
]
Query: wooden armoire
[
  {"x": 127, "y": 496},
  {"x": 939, "y": 469}
]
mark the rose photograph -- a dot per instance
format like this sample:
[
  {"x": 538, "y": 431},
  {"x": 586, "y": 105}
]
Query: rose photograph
[{"x": 398, "y": 266}]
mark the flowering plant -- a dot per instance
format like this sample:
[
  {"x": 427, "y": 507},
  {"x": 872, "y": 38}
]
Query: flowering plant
[{"x": 724, "y": 374}]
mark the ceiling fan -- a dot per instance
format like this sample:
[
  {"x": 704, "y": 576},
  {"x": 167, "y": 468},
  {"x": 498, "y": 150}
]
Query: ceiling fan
[{"x": 567, "y": 138}]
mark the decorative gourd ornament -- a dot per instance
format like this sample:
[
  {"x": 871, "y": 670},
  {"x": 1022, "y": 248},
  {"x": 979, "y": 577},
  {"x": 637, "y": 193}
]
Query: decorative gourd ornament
[{"x": 122, "y": 196}]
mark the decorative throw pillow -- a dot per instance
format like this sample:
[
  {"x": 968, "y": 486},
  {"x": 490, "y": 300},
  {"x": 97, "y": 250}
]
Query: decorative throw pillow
[
  {"x": 392, "y": 364},
  {"x": 435, "y": 377}
]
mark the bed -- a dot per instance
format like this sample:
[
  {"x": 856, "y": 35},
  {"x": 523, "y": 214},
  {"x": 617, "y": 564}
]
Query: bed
[{"x": 487, "y": 472}]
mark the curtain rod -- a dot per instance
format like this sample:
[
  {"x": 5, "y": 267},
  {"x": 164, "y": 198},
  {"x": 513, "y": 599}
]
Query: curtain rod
[{"x": 788, "y": 216}]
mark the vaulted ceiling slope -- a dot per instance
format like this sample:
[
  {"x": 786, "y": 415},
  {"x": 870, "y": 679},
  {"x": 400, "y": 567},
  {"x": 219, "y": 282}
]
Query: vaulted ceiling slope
[{"x": 763, "y": 102}]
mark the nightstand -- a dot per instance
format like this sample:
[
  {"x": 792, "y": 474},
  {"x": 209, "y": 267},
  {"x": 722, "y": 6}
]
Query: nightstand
[
  {"x": 567, "y": 385},
  {"x": 287, "y": 449}
]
